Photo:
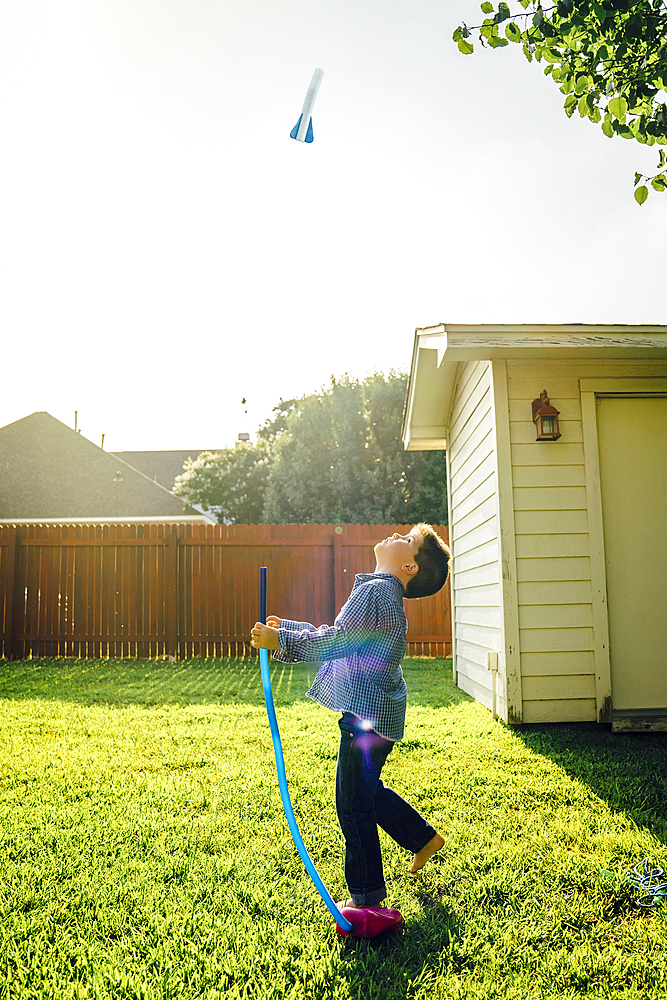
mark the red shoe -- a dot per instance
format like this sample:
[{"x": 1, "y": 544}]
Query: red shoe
[{"x": 371, "y": 921}]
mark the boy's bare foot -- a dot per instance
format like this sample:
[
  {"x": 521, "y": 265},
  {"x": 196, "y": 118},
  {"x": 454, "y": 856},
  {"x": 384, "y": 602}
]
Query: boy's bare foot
[{"x": 420, "y": 859}]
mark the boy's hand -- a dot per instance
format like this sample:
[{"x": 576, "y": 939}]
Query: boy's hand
[
  {"x": 273, "y": 621},
  {"x": 264, "y": 636}
]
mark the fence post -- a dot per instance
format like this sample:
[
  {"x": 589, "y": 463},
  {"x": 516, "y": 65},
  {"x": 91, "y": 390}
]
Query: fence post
[
  {"x": 337, "y": 571},
  {"x": 171, "y": 592},
  {"x": 10, "y": 585}
]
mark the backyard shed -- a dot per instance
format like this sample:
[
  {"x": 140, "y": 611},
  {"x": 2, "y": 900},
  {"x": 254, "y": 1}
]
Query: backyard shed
[{"x": 559, "y": 545}]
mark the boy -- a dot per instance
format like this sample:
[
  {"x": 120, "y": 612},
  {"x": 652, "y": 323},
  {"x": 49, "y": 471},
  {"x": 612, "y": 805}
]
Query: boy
[{"x": 362, "y": 678}]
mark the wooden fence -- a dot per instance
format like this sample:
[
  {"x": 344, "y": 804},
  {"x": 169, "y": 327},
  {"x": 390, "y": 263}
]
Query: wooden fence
[{"x": 181, "y": 590}]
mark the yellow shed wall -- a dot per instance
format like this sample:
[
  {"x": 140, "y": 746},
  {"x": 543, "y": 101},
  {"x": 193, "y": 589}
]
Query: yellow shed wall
[
  {"x": 553, "y": 565},
  {"x": 476, "y": 602}
]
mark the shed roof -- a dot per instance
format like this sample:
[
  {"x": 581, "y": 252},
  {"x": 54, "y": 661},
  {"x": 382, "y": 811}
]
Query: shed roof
[
  {"x": 50, "y": 472},
  {"x": 438, "y": 350}
]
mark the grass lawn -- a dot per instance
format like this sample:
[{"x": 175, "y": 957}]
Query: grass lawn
[{"x": 144, "y": 852}]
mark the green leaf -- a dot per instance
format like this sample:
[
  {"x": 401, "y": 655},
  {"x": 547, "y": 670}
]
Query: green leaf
[
  {"x": 581, "y": 83},
  {"x": 497, "y": 43},
  {"x": 659, "y": 183},
  {"x": 607, "y": 127},
  {"x": 661, "y": 161},
  {"x": 503, "y": 13},
  {"x": 618, "y": 106},
  {"x": 569, "y": 105},
  {"x": 513, "y": 32},
  {"x": 637, "y": 130},
  {"x": 638, "y": 177},
  {"x": 641, "y": 194},
  {"x": 538, "y": 17},
  {"x": 599, "y": 11},
  {"x": 465, "y": 47},
  {"x": 487, "y": 8},
  {"x": 570, "y": 34}
]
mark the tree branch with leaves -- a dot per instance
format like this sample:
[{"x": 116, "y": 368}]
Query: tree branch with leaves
[{"x": 609, "y": 59}]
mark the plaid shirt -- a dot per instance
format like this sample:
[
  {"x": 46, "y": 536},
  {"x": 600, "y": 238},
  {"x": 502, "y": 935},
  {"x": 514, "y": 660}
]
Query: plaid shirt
[{"x": 363, "y": 650}]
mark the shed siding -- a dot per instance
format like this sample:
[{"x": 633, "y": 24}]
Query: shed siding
[
  {"x": 552, "y": 543},
  {"x": 474, "y": 533}
]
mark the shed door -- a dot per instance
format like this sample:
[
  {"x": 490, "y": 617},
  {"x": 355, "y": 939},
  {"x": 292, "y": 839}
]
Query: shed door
[{"x": 632, "y": 435}]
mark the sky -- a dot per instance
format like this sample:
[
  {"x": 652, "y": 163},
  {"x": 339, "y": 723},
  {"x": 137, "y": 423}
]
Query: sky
[{"x": 166, "y": 249}]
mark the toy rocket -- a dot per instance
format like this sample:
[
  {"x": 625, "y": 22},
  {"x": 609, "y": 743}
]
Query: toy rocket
[{"x": 303, "y": 130}]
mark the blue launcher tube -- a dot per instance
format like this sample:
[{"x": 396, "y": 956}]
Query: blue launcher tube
[{"x": 342, "y": 922}]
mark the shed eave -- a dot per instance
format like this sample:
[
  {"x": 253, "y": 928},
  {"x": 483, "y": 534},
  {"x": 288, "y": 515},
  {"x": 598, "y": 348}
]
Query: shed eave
[
  {"x": 486, "y": 343},
  {"x": 438, "y": 350},
  {"x": 430, "y": 387}
]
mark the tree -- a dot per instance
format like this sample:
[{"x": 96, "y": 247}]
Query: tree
[
  {"x": 231, "y": 482},
  {"x": 609, "y": 59},
  {"x": 338, "y": 456},
  {"x": 416, "y": 481},
  {"x": 332, "y": 456}
]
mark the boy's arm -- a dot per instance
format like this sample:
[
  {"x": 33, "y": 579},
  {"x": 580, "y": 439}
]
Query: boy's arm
[
  {"x": 296, "y": 626},
  {"x": 355, "y": 626},
  {"x": 275, "y": 622},
  {"x": 282, "y": 654},
  {"x": 265, "y": 636}
]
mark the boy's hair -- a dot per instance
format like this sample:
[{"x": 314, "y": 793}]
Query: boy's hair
[{"x": 432, "y": 557}]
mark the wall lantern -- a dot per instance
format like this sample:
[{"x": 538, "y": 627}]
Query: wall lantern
[{"x": 545, "y": 418}]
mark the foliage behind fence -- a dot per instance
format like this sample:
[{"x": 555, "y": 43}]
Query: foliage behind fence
[{"x": 181, "y": 590}]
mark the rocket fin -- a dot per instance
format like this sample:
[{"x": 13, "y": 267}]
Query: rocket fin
[
  {"x": 309, "y": 131},
  {"x": 296, "y": 128}
]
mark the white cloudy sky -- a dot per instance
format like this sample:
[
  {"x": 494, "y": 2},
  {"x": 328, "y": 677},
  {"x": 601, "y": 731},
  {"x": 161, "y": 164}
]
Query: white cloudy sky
[{"x": 166, "y": 248}]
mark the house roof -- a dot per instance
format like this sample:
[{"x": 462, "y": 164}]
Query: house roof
[
  {"x": 50, "y": 472},
  {"x": 438, "y": 350},
  {"x": 161, "y": 466}
]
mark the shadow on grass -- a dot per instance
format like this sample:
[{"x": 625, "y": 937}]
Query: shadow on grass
[
  {"x": 394, "y": 967},
  {"x": 626, "y": 770},
  {"x": 200, "y": 681}
]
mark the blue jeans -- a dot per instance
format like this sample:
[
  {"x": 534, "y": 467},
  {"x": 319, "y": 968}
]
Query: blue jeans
[{"x": 363, "y": 802}]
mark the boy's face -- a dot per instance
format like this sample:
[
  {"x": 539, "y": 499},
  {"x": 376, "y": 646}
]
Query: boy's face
[{"x": 399, "y": 550}]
